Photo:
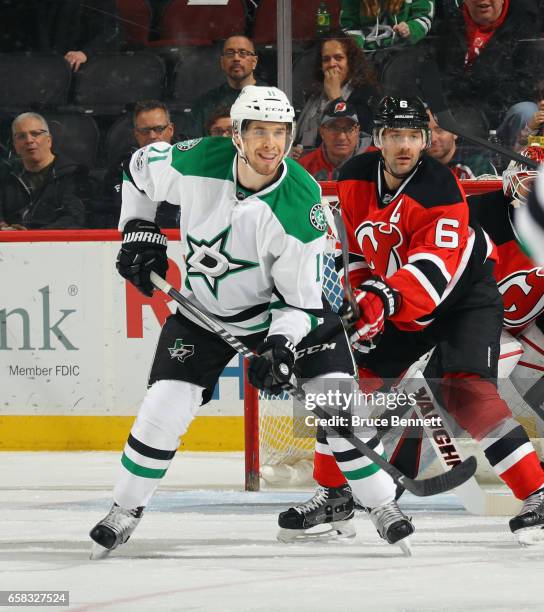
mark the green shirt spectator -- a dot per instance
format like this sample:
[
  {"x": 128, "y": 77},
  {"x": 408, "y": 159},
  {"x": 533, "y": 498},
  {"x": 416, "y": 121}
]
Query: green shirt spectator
[{"x": 400, "y": 22}]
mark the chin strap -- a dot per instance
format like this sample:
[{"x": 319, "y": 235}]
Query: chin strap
[{"x": 240, "y": 149}]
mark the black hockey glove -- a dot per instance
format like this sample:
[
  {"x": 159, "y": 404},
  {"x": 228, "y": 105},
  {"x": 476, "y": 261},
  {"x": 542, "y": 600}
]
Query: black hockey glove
[
  {"x": 273, "y": 364},
  {"x": 143, "y": 251}
]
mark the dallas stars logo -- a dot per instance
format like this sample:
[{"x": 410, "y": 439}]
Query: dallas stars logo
[
  {"x": 181, "y": 351},
  {"x": 210, "y": 260},
  {"x": 317, "y": 218}
]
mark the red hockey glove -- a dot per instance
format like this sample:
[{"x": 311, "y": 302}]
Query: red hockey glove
[{"x": 377, "y": 301}]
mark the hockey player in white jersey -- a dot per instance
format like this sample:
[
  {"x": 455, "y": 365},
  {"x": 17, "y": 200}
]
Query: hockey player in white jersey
[{"x": 253, "y": 235}]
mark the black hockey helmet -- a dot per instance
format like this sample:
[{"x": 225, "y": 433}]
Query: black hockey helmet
[{"x": 401, "y": 113}]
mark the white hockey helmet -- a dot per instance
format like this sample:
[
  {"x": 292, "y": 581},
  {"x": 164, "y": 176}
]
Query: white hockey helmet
[
  {"x": 257, "y": 103},
  {"x": 518, "y": 178}
]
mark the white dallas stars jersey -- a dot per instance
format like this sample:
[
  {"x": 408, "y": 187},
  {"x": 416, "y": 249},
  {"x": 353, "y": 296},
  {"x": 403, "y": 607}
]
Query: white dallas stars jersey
[{"x": 254, "y": 260}]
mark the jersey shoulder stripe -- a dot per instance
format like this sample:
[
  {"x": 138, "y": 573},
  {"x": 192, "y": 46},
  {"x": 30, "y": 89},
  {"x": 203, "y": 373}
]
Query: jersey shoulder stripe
[
  {"x": 362, "y": 167},
  {"x": 204, "y": 157},
  {"x": 296, "y": 204},
  {"x": 434, "y": 184}
]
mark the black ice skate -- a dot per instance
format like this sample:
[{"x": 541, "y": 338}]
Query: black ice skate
[
  {"x": 114, "y": 529},
  {"x": 528, "y": 524},
  {"x": 331, "y": 506},
  {"x": 392, "y": 525}
]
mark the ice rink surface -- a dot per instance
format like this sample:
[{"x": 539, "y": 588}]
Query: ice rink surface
[{"x": 205, "y": 544}]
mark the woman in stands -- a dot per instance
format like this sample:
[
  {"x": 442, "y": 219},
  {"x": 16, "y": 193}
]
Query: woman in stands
[{"x": 341, "y": 72}]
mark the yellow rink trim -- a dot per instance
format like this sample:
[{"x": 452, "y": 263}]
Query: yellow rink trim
[{"x": 73, "y": 433}]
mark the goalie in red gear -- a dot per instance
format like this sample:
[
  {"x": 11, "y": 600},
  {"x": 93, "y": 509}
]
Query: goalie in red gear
[
  {"x": 423, "y": 278},
  {"x": 520, "y": 280}
]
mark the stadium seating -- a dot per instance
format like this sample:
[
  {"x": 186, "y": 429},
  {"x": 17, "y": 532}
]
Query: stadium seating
[
  {"x": 195, "y": 73},
  {"x": 109, "y": 82},
  {"x": 119, "y": 139},
  {"x": 401, "y": 72},
  {"x": 32, "y": 81},
  {"x": 75, "y": 135}
]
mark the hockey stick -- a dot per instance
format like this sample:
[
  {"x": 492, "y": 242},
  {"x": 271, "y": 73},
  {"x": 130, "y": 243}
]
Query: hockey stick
[
  {"x": 431, "y": 87},
  {"x": 343, "y": 238},
  {"x": 419, "y": 487}
]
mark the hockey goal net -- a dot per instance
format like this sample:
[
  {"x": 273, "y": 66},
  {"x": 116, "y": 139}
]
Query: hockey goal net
[{"x": 276, "y": 449}]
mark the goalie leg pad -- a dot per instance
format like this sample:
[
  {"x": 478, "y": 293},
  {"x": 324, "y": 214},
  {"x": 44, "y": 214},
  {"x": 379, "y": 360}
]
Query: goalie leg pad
[{"x": 474, "y": 403}]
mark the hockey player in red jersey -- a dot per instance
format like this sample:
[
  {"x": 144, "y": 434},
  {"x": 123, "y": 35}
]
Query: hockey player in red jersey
[{"x": 422, "y": 275}]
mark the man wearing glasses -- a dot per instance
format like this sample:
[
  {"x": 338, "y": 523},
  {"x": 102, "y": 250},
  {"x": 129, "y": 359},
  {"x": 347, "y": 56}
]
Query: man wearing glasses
[
  {"x": 40, "y": 189},
  {"x": 340, "y": 133},
  {"x": 151, "y": 120},
  {"x": 238, "y": 61},
  {"x": 151, "y": 124}
]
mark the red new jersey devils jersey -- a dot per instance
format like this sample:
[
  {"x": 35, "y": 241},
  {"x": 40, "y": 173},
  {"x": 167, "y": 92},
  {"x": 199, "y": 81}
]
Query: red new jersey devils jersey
[
  {"x": 520, "y": 281},
  {"x": 418, "y": 238}
]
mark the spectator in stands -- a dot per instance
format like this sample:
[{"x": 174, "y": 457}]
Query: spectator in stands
[
  {"x": 151, "y": 123},
  {"x": 375, "y": 24},
  {"x": 444, "y": 149},
  {"x": 341, "y": 71},
  {"x": 340, "y": 133},
  {"x": 238, "y": 62},
  {"x": 219, "y": 123},
  {"x": 535, "y": 125},
  {"x": 476, "y": 52},
  {"x": 40, "y": 190}
]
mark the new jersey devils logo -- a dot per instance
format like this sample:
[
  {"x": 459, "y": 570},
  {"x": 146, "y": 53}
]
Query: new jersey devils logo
[
  {"x": 523, "y": 296},
  {"x": 379, "y": 243}
]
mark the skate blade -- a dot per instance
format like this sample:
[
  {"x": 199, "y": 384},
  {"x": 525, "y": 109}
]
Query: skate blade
[
  {"x": 341, "y": 530},
  {"x": 405, "y": 546},
  {"x": 530, "y": 536},
  {"x": 98, "y": 552}
]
